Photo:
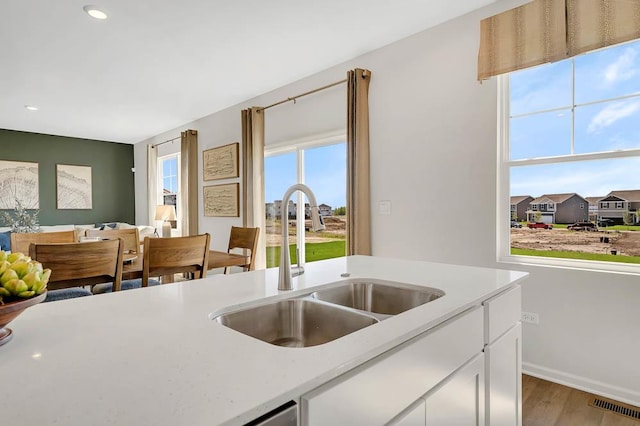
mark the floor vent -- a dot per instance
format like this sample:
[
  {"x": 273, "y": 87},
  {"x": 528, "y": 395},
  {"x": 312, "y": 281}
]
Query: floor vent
[{"x": 616, "y": 407}]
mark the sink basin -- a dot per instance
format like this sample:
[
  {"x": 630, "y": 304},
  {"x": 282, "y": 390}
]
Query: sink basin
[
  {"x": 295, "y": 322},
  {"x": 380, "y": 297}
]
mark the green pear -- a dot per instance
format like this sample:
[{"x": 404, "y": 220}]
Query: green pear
[
  {"x": 3, "y": 255},
  {"x": 4, "y": 292},
  {"x": 27, "y": 294},
  {"x": 45, "y": 276},
  {"x": 31, "y": 279},
  {"x": 22, "y": 268},
  {"x": 3, "y": 266},
  {"x": 7, "y": 276},
  {"x": 14, "y": 257},
  {"x": 37, "y": 266},
  {"x": 39, "y": 287},
  {"x": 16, "y": 286}
]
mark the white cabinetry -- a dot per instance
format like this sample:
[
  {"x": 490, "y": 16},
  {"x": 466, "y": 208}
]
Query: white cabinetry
[
  {"x": 381, "y": 389},
  {"x": 465, "y": 371},
  {"x": 503, "y": 349},
  {"x": 459, "y": 400}
]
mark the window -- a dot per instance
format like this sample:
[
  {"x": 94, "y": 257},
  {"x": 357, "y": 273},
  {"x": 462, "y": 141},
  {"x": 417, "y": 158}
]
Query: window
[
  {"x": 322, "y": 167},
  {"x": 569, "y": 132},
  {"x": 169, "y": 182}
]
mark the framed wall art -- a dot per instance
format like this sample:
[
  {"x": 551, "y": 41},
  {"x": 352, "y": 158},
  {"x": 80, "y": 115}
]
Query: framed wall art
[
  {"x": 19, "y": 184},
  {"x": 222, "y": 200},
  {"x": 220, "y": 162},
  {"x": 73, "y": 184}
]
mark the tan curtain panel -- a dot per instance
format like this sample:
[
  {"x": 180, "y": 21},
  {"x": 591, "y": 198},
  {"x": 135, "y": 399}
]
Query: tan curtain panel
[
  {"x": 253, "y": 214},
  {"x": 523, "y": 37},
  {"x": 550, "y": 30},
  {"x": 358, "y": 197},
  {"x": 189, "y": 182},
  {"x": 594, "y": 24},
  {"x": 152, "y": 183}
]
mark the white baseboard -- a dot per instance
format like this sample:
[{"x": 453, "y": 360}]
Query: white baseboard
[{"x": 624, "y": 395}]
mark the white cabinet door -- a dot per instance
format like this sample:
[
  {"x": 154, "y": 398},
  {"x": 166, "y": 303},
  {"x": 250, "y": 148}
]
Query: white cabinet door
[
  {"x": 379, "y": 390},
  {"x": 415, "y": 416},
  {"x": 504, "y": 379},
  {"x": 459, "y": 400}
]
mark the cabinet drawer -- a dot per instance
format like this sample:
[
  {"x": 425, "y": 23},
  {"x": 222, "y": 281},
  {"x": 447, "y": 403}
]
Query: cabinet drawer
[
  {"x": 501, "y": 312},
  {"x": 383, "y": 387}
]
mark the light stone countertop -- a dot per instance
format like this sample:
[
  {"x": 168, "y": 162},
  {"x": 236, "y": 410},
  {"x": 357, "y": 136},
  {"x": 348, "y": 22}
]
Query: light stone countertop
[{"x": 153, "y": 356}]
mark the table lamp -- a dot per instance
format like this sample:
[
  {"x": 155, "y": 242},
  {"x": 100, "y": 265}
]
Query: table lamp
[{"x": 166, "y": 214}]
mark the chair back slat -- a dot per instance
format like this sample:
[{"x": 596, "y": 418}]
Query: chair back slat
[
  {"x": 131, "y": 237},
  {"x": 80, "y": 264},
  {"x": 247, "y": 239},
  {"x": 166, "y": 256},
  {"x": 20, "y": 241}
]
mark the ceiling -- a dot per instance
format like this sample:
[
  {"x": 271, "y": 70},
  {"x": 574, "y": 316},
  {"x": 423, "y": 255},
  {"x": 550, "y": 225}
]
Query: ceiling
[{"x": 156, "y": 65}]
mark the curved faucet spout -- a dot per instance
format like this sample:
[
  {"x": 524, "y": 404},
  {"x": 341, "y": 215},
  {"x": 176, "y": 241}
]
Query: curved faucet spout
[{"x": 284, "y": 276}]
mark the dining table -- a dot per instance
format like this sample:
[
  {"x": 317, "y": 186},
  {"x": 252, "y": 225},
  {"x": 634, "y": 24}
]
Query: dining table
[{"x": 132, "y": 268}]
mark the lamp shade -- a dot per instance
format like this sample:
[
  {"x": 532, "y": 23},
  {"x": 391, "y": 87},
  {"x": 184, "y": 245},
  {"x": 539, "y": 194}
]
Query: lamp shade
[{"x": 165, "y": 213}]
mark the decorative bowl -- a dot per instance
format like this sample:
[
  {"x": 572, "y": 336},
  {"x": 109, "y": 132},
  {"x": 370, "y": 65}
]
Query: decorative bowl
[{"x": 10, "y": 310}]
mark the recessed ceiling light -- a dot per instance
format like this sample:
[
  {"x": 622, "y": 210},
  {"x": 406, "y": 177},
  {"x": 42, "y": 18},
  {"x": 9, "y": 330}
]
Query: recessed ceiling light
[
  {"x": 31, "y": 107},
  {"x": 95, "y": 12}
]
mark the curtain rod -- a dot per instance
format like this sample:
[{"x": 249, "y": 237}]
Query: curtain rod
[
  {"x": 167, "y": 141},
  {"x": 293, "y": 98}
]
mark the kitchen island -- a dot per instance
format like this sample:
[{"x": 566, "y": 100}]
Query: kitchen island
[{"x": 153, "y": 356}]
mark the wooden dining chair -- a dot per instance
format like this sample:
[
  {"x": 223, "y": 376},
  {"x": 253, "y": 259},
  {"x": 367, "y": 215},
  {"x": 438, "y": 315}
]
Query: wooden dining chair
[
  {"x": 130, "y": 236},
  {"x": 20, "y": 242},
  {"x": 76, "y": 265},
  {"x": 246, "y": 239},
  {"x": 168, "y": 256}
]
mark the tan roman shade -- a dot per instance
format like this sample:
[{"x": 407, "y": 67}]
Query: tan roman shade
[
  {"x": 550, "y": 30},
  {"x": 594, "y": 24}
]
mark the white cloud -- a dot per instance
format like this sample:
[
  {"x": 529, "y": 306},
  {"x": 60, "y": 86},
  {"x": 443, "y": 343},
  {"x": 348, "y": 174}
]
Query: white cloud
[
  {"x": 623, "y": 68},
  {"x": 612, "y": 113}
]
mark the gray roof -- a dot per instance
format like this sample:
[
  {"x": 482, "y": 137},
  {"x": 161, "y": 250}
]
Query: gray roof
[
  {"x": 517, "y": 199},
  {"x": 626, "y": 195},
  {"x": 556, "y": 198}
]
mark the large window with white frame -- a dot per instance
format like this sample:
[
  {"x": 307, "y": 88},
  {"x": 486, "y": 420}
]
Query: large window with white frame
[
  {"x": 320, "y": 164},
  {"x": 570, "y": 137}
]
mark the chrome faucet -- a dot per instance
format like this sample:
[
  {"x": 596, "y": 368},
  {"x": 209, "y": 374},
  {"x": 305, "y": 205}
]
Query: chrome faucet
[{"x": 286, "y": 272}]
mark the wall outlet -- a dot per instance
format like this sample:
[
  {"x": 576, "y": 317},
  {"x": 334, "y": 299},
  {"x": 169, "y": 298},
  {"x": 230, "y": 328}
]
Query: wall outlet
[
  {"x": 530, "y": 317},
  {"x": 384, "y": 207}
]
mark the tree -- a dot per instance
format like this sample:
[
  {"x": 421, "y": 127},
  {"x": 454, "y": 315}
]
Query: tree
[
  {"x": 538, "y": 216},
  {"x": 340, "y": 211},
  {"x": 627, "y": 218}
]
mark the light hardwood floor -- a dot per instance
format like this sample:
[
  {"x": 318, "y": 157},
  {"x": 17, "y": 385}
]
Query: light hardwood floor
[{"x": 550, "y": 404}]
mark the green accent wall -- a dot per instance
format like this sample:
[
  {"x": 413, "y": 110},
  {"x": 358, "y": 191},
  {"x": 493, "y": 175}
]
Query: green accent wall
[{"x": 111, "y": 176}]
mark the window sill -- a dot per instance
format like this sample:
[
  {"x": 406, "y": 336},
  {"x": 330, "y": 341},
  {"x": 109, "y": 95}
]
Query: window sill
[{"x": 579, "y": 265}]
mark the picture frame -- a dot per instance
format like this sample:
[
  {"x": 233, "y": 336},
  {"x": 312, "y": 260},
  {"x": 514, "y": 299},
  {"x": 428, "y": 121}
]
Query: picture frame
[
  {"x": 73, "y": 187},
  {"x": 222, "y": 200},
  {"x": 19, "y": 183},
  {"x": 221, "y": 162}
]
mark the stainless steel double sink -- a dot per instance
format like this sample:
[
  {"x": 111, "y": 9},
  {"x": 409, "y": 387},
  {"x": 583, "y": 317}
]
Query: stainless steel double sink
[{"x": 328, "y": 313}]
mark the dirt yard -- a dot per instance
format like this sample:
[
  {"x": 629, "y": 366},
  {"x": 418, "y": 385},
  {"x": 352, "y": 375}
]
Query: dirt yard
[
  {"x": 336, "y": 227},
  {"x": 626, "y": 243}
]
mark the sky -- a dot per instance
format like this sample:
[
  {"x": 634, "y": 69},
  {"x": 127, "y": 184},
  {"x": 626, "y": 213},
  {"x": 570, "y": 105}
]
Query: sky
[
  {"x": 599, "y": 127},
  {"x": 325, "y": 173}
]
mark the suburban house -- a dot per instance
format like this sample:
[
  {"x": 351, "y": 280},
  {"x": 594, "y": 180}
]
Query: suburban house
[
  {"x": 325, "y": 210},
  {"x": 559, "y": 208},
  {"x": 594, "y": 205},
  {"x": 434, "y": 136},
  {"x": 616, "y": 204},
  {"x": 519, "y": 206}
]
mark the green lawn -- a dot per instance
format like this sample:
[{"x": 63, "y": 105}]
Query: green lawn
[
  {"x": 315, "y": 251},
  {"x": 576, "y": 255}
]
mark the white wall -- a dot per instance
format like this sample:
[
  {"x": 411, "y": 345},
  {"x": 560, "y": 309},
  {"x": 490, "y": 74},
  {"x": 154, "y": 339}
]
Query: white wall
[{"x": 433, "y": 143}]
